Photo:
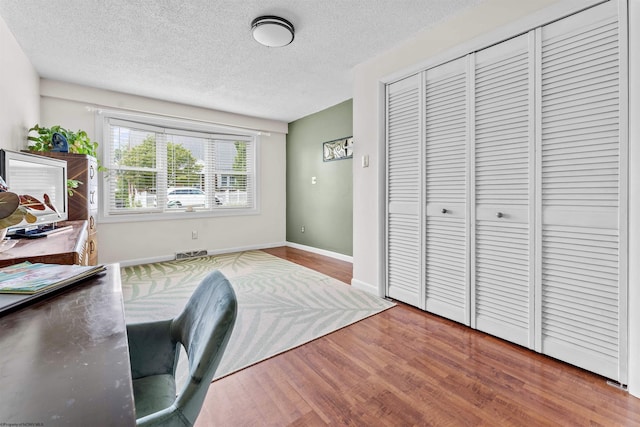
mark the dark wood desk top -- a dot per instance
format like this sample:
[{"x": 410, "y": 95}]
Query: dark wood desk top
[{"x": 65, "y": 360}]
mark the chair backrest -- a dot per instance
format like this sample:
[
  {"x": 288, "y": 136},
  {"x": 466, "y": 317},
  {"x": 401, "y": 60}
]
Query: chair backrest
[{"x": 204, "y": 328}]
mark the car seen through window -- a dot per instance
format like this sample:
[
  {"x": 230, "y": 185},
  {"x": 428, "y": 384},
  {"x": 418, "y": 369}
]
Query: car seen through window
[{"x": 178, "y": 197}]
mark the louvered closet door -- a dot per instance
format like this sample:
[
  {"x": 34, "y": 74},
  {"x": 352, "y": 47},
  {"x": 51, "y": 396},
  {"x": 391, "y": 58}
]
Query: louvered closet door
[
  {"x": 582, "y": 295},
  {"x": 404, "y": 231},
  {"x": 446, "y": 144},
  {"x": 502, "y": 288}
]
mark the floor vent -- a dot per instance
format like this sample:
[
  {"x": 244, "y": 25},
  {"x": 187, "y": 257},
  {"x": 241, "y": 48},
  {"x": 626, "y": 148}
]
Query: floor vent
[
  {"x": 617, "y": 385},
  {"x": 191, "y": 254}
]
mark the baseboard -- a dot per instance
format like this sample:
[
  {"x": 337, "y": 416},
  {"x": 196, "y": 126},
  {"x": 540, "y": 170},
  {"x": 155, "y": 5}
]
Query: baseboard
[
  {"x": 163, "y": 258},
  {"x": 366, "y": 287},
  {"x": 245, "y": 248},
  {"x": 141, "y": 261},
  {"x": 342, "y": 257},
  {"x": 330, "y": 254}
]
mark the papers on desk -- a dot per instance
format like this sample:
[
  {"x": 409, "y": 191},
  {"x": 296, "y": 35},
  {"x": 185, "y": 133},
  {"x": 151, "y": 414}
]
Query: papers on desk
[{"x": 31, "y": 278}]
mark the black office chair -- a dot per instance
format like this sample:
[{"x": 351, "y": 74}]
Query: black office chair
[{"x": 203, "y": 328}]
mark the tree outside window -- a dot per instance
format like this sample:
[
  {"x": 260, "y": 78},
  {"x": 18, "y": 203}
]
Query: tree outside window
[{"x": 158, "y": 170}]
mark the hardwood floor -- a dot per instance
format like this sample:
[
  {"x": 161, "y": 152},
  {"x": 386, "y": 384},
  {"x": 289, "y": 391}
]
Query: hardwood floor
[
  {"x": 406, "y": 367},
  {"x": 332, "y": 267}
]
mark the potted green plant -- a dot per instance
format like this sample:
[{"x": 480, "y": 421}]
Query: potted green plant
[{"x": 79, "y": 142}]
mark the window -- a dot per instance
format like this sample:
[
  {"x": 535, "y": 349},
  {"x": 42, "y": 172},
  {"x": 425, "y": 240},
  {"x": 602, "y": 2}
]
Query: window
[{"x": 176, "y": 170}]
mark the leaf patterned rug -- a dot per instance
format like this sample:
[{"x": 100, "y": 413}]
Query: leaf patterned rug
[{"x": 281, "y": 305}]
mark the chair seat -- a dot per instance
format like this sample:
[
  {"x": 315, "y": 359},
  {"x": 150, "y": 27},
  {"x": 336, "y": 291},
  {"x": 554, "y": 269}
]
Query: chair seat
[{"x": 153, "y": 394}]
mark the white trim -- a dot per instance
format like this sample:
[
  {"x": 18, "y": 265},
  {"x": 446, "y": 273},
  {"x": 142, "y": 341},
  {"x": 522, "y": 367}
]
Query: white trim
[
  {"x": 318, "y": 251},
  {"x": 366, "y": 287},
  {"x": 623, "y": 221},
  {"x": 422, "y": 210},
  {"x": 163, "y": 258},
  {"x": 383, "y": 259},
  {"x": 537, "y": 194},
  {"x": 172, "y": 257},
  {"x": 633, "y": 230},
  {"x": 534, "y": 203},
  {"x": 470, "y": 226}
]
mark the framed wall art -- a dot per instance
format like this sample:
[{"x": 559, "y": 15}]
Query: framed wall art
[{"x": 338, "y": 149}]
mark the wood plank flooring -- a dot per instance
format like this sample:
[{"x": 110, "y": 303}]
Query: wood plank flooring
[
  {"x": 340, "y": 270},
  {"x": 405, "y": 367}
]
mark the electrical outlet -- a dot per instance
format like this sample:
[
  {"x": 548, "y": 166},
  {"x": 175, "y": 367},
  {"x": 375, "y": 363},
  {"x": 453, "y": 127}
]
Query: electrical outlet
[
  {"x": 194, "y": 235},
  {"x": 302, "y": 229}
]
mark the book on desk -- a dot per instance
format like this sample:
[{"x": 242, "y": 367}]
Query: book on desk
[{"x": 22, "y": 283}]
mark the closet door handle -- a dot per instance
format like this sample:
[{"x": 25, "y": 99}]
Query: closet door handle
[
  {"x": 499, "y": 214},
  {"x": 444, "y": 211}
]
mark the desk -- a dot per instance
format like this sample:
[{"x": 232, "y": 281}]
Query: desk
[
  {"x": 65, "y": 247},
  {"x": 65, "y": 360}
]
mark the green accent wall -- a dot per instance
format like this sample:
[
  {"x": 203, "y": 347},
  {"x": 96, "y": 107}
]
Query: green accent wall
[{"x": 325, "y": 209}]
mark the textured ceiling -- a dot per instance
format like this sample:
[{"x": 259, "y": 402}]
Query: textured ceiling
[{"x": 200, "y": 52}]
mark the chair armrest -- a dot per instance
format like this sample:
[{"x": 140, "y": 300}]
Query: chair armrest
[{"x": 151, "y": 349}]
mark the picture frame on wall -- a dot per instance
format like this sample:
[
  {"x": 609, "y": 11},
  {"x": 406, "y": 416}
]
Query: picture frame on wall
[{"x": 338, "y": 149}]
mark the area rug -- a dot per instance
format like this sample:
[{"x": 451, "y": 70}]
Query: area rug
[{"x": 281, "y": 305}]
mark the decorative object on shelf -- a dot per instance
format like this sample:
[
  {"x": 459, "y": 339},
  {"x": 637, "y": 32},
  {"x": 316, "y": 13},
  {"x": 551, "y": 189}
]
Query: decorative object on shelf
[
  {"x": 59, "y": 143},
  {"x": 51, "y": 139},
  {"x": 338, "y": 149},
  {"x": 272, "y": 31}
]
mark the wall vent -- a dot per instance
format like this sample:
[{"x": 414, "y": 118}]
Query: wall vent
[{"x": 191, "y": 254}]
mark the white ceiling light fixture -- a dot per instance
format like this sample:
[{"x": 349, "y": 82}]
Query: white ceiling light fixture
[{"x": 272, "y": 31}]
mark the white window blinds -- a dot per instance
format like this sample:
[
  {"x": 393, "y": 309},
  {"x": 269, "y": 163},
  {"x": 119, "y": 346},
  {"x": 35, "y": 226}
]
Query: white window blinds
[{"x": 158, "y": 170}]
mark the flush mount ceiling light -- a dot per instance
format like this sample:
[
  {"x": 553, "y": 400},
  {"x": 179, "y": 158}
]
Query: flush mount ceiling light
[{"x": 272, "y": 31}]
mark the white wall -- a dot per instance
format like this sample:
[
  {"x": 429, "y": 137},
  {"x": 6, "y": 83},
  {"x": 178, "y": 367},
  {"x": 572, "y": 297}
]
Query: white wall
[
  {"x": 634, "y": 198},
  {"x": 19, "y": 92},
  {"x": 74, "y": 107},
  {"x": 490, "y": 22}
]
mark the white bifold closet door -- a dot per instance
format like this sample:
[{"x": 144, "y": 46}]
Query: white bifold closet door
[
  {"x": 446, "y": 178},
  {"x": 502, "y": 246},
  {"x": 507, "y": 190},
  {"x": 404, "y": 231},
  {"x": 582, "y": 310}
]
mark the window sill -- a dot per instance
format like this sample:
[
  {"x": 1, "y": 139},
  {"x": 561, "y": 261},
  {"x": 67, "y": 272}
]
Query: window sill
[{"x": 182, "y": 214}]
